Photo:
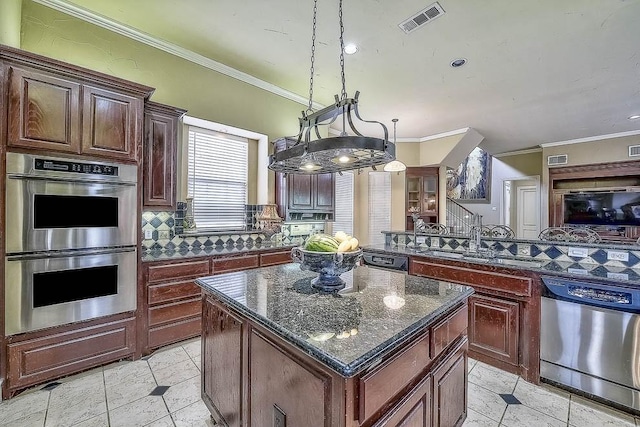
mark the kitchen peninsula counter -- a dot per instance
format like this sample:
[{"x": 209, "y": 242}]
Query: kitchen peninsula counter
[{"x": 387, "y": 342}]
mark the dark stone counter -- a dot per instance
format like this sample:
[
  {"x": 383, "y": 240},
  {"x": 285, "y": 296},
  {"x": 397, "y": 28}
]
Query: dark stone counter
[
  {"x": 163, "y": 255},
  {"x": 349, "y": 331},
  {"x": 575, "y": 269}
]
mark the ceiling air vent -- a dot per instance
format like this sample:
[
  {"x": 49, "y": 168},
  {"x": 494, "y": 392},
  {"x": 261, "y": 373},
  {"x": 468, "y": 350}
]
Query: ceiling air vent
[
  {"x": 560, "y": 159},
  {"x": 634, "y": 150},
  {"x": 428, "y": 14}
]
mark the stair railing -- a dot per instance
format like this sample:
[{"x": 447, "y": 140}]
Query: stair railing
[{"x": 459, "y": 218}]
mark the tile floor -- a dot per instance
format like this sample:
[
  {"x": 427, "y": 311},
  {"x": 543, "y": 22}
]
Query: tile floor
[{"x": 163, "y": 390}]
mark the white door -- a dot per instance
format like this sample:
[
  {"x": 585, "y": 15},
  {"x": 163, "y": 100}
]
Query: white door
[{"x": 527, "y": 208}]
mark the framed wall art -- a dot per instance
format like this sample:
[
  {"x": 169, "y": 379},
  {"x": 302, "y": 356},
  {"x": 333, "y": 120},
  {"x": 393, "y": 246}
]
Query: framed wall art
[{"x": 471, "y": 180}]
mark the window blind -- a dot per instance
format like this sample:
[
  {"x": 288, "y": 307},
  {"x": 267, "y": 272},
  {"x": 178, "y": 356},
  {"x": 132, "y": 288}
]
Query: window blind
[
  {"x": 343, "y": 213},
  {"x": 217, "y": 179},
  {"x": 379, "y": 206}
]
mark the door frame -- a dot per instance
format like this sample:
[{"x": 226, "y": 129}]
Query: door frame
[{"x": 503, "y": 202}]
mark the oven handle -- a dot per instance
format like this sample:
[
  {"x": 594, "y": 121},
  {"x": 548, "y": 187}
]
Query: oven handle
[
  {"x": 67, "y": 254},
  {"x": 72, "y": 181}
]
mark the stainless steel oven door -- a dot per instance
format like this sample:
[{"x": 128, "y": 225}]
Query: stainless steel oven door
[
  {"x": 55, "y": 289},
  {"x": 47, "y": 214}
]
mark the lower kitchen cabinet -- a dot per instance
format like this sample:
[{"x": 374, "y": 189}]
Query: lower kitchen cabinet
[
  {"x": 494, "y": 327},
  {"x": 450, "y": 389},
  {"x": 413, "y": 411},
  {"x": 41, "y": 356},
  {"x": 173, "y": 307},
  {"x": 504, "y": 313}
]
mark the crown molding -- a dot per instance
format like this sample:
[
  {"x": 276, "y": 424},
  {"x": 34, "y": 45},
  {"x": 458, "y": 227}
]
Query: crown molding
[
  {"x": 518, "y": 152},
  {"x": 173, "y": 49},
  {"x": 444, "y": 134},
  {"x": 591, "y": 138}
]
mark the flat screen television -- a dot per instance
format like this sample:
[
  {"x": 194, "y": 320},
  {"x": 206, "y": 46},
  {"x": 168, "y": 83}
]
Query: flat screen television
[{"x": 602, "y": 208}]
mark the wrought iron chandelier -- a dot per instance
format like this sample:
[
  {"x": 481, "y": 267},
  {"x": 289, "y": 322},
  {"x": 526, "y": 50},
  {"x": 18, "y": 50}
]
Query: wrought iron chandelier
[{"x": 306, "y": 155}]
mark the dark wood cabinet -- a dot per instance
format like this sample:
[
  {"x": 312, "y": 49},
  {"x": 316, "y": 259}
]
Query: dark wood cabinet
[
  {"x": 160, "y": 161},
  {"x": 173, "y": 304},
  {"x": 493, "y": 327},
  {"x": 41, "y": 356},
  {"x": 450, "y": 389},
  {"x": 223, "y": 330},
  {"x": 110, "y": 123},
  {"x": 252, "y": 377},
  {"x": 303, "y": 193},
  {"x": 421, "y": 194},
  {"x": 57, "y": 107},
  {"x": 44, "y": 111},
  {"x": 503, "y": 314}
]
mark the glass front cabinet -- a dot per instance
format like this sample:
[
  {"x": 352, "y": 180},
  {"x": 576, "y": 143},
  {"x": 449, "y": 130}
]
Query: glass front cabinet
[{"x": 421, "y": 194}]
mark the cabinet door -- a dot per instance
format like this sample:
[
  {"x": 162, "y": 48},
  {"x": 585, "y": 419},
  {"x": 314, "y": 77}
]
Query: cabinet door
[
  {"x": 493, "y": 327},
  {"x": 450, "y": 390},
  {"x": 44, "y": 111},
  {"x": 413, "y": 411},
  {"x": 325, "y": 192},
  {"x": 110, "y": 121},
  {"x": 222, "y": 371},
  {"x": 300, "y": 192},
  {"x": 160, "y": 158}
]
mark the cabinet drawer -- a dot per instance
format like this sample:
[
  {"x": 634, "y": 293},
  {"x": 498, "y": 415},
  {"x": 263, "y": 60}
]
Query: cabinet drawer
[
  {"x": 183, "y": 270},
  {"x": 223, "y": 265},
  {"x": 379, "y": 387},
  {"x": 173, "y": 291},
  {"x": 40, "y": 359},
  {"x": 516, "y": 285},
  {"x": 174, "y": 332},
  {"x": 275, "y": 258},
  {"x": 445, "y": 332},
  {"x": 174, "y": 311}
]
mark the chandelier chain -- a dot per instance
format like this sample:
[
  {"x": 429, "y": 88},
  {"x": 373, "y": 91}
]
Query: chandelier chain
[
  {"x": 344, "y": 90},
  {"x": 313, "y": 57}
]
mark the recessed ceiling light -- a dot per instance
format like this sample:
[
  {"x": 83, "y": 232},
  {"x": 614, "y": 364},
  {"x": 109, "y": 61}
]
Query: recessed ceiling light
[
  {"x": 634, "y": 117},
  {"x": 458, "y": 62},
  {"x": 350, "y": 49}
]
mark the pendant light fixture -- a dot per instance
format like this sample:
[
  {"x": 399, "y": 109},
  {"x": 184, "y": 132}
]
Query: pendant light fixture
[
  {"x": 395, "y": 165},
  {"x": 309, "y": 153}
]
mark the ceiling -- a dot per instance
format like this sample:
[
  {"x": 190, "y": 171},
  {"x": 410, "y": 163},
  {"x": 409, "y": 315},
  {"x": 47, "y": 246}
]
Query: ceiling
[{"x": 538, "y": 71}]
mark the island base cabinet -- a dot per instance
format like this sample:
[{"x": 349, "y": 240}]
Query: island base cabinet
[
  {"x": 283, "y": 391},
  {"x": 222, "y": 330},
  {"x": 413, "y": 411},
  {"x": 450, "y": 389}
]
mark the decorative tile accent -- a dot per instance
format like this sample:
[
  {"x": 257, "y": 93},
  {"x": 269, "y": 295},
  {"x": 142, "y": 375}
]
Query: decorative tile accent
[
  {"x": 510, "y": 399},
  {"x": 159, "y": 390}
]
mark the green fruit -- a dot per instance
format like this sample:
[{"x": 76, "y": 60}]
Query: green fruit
[{"x": 321, "y": 243}]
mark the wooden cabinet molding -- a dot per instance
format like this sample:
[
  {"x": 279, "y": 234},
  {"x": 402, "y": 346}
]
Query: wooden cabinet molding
[{"x": 160, "y": 158}]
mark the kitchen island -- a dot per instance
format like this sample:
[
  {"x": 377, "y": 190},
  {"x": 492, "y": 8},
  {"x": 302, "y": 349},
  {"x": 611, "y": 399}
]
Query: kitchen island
[{"x": 389, "y": 349}]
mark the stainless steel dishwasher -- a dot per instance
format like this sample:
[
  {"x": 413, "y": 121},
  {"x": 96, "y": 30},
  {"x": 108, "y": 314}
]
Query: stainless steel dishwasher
[{"x": 590, "y": 339}]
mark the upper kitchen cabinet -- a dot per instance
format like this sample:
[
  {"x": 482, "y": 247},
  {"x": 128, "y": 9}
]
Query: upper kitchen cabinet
[
  {"x": 303, "y": 193},
  {"x": 160, "y": 155},
  {"x": 53, "y": 106},
  {"x": 422, "y": 194}
]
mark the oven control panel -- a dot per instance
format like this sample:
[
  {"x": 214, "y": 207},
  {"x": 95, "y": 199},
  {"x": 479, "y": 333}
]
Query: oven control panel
[{"x": 75, "y": 167}]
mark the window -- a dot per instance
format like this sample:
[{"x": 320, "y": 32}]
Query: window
[
  {"x": 343, "y": 217},
  {"x": 217, "y": 179},
  {"x": 379, "y": 206}
]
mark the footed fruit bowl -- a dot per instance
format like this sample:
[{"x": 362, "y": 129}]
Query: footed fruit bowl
[{"x": 330, "y": 265}]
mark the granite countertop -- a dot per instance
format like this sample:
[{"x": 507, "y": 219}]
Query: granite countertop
[
  {"x": 163, "y": 255},
  {"x": 574, "y": 270},
  {"x": 348, "y": 331}
]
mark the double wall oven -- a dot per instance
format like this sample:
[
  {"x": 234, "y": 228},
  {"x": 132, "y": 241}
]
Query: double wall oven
[{"x": 71, "y": 241}]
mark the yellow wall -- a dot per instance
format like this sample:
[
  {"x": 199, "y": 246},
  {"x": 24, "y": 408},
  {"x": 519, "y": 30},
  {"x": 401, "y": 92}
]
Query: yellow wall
[
  {"x": 10, "y": 18},
  {"x": 204, "y": 93}
]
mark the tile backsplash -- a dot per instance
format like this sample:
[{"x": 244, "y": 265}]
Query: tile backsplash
[{"x": 168, "y": 233}]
